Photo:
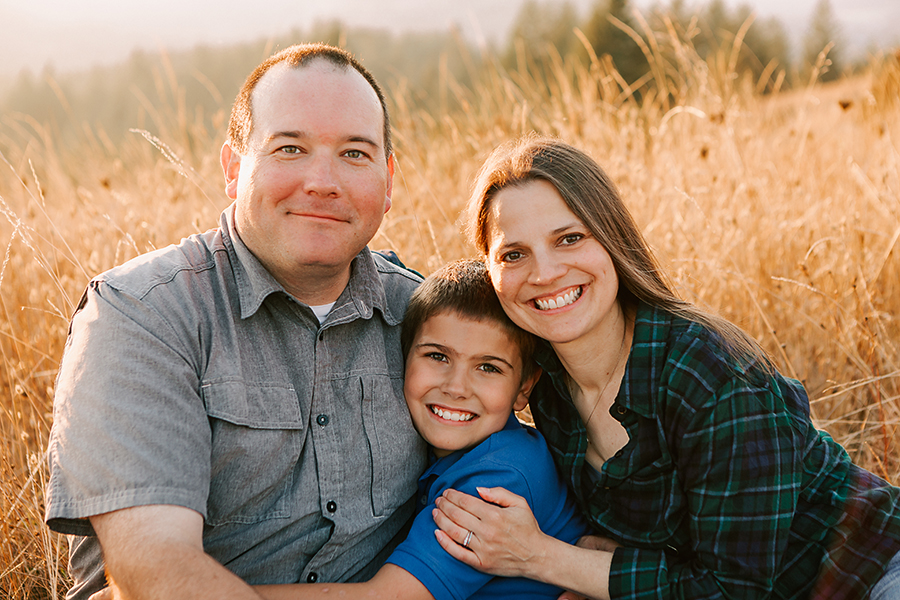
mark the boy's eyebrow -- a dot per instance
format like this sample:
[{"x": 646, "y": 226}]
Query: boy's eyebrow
[{"x": 498, "y": 359}]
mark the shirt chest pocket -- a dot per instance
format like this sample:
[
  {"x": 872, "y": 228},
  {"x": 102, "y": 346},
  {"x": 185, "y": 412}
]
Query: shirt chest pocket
[
  {"x": 396, "y": 451},
  {"x": 257, "y": 437}
]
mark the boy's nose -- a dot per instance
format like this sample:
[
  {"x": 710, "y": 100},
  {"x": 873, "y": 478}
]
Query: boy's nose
[{"x": 457, "y": 384}]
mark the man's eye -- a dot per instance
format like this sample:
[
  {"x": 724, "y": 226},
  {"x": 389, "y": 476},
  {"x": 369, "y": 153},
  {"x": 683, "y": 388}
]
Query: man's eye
[
  {"x": 289, "y": 149},
  {"x": 355, "y": 154}
]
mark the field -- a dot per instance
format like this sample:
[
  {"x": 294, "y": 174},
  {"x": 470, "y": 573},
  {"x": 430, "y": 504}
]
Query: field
[{"x": 781, "y": 211}]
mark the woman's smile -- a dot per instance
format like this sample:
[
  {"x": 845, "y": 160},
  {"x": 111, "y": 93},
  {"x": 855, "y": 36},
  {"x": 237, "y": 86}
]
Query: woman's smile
[{"x": 559, "y": 300}]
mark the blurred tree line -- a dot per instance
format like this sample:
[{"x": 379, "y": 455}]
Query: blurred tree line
[{"x": 194, "y": 88}]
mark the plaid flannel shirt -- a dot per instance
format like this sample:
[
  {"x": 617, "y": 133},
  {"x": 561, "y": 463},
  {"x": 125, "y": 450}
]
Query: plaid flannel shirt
[{"x": 725, "y": 488}]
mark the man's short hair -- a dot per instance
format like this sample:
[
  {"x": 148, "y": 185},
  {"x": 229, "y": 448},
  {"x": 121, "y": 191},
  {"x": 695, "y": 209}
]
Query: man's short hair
[
  {"x": 463, "y": 287},
  {"x": 240, "y": 125}
]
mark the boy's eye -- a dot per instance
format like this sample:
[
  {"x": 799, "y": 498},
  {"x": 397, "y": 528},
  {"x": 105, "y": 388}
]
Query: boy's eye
[
  {"x": 438, "y": 356},
  {"x": 489, "y": 368}
]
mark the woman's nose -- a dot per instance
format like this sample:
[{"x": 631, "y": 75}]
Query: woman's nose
[{"x": 545, "y": 268}]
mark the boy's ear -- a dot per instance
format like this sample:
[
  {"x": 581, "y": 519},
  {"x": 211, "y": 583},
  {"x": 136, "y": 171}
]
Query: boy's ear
[{"x": 525, "y": 389}]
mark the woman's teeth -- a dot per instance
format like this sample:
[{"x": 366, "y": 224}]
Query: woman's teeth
[
  {"x": 559, "y": 301},
  {"x": 451, "y": 415}
]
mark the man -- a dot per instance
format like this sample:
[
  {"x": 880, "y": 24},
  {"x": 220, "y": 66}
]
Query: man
[{"x": 230, "y": 410}]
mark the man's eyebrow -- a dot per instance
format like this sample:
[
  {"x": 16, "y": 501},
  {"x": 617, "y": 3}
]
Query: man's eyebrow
[{"x": 299, "y": 135}]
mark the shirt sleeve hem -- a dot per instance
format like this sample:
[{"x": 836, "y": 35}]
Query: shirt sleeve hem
[
  {"x": 635, "y": 572},
  {"x": 71, "y": 517}
]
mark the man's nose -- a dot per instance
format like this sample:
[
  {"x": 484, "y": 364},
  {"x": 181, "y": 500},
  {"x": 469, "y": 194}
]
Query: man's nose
[{"x": 320, "y": 176}]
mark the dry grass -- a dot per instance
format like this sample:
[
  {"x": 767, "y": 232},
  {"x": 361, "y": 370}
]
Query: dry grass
[{"x": 781, "y": 212}]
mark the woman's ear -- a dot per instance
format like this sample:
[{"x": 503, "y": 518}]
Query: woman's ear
[{"x": 525, "y": 389}]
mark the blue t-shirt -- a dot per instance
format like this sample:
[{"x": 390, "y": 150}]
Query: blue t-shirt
[{"x": 515, "y": 458}]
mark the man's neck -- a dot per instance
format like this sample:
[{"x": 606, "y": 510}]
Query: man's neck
[{"x": 315, "y": 285}]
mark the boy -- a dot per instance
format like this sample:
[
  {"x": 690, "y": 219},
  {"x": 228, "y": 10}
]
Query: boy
[{"x": 468, "y": 368}]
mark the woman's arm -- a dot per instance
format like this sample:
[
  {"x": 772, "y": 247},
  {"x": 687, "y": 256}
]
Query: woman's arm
[
  {"x": 739, "y": 463},
  {"x": 390, "y": 583},
  {"x": 506, "y": 540}
]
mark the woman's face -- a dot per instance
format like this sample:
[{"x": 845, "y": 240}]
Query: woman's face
[{"x": 552, "y": 277}]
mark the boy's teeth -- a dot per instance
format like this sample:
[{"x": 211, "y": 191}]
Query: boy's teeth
[
  {"x": 451, "y": 415},
  {"x": 560, "y": 301}
]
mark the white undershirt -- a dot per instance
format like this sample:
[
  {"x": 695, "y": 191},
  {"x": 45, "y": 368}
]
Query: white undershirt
[{"x": 322, "y": 311}]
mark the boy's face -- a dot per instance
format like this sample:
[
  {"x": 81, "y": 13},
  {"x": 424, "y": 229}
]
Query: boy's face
[{"x": 463, "y": 378}]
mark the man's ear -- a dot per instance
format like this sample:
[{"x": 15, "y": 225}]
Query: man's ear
[
  {"x": 231, "y": 167},
  {"x": 390, "y": 182},
  {"x": 526, "y": 388}
]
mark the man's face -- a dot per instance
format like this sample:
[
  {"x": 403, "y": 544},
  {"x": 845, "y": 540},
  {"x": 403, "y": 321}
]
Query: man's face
[{"x": 314, "y": 184}]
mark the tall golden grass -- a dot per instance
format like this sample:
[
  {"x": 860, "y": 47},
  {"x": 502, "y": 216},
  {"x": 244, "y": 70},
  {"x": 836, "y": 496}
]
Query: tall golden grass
[{"x": 780, "y": 211}]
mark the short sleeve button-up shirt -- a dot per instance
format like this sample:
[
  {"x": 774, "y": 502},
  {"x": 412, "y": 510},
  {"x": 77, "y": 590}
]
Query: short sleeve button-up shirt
[{"x": 190, "y": 377}]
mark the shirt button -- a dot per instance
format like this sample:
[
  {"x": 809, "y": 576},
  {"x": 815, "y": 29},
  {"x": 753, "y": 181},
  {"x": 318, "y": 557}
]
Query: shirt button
[
  {"x": 331, "y": 506},
  {"x": 621, "y": 410},
  {"x": 322, "y": 420},
  {"x": 312, "y": 578}
]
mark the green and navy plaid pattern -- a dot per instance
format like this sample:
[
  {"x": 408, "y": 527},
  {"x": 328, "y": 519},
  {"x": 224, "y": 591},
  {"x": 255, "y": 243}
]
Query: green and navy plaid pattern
[{"x": 725, "y": 489}]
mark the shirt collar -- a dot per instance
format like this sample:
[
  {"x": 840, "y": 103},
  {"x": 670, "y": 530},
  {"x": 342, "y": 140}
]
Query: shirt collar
[
  {"x": 363, "y": 293},
  {"x": 439, "y": 466}
]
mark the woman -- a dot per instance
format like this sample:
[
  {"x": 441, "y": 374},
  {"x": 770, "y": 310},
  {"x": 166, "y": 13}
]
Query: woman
[{"x": 694, "y": 460}]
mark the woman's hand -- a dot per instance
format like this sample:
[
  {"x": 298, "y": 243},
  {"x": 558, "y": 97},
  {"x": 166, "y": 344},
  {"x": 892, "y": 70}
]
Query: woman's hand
[{"x": 506, "y": 539}]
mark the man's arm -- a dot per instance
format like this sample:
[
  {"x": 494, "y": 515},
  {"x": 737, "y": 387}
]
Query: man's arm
[
  {"x": 389, "y": 583},
  {"x": 156, "y": 551}
]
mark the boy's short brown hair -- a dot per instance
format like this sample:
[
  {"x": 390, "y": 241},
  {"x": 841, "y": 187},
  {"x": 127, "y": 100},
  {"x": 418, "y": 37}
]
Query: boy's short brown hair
[{"x": 463, "y": 287}]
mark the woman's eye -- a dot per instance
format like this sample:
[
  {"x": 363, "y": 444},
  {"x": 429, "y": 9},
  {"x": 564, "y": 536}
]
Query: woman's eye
[
  {"x": 512, "y": 256},
  {"x": 571, "y": 238}
]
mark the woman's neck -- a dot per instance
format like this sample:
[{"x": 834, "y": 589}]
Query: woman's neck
[{"x": 591, "y": 360}]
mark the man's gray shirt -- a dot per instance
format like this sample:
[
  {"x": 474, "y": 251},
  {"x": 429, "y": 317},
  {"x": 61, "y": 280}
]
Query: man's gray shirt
[{"x": 190, "y": 377}]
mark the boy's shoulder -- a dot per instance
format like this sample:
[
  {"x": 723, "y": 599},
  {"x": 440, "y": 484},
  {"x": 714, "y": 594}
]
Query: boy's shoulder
[
  {"x": 516, "y": 440},
  {"x": 516, "y": 453}
]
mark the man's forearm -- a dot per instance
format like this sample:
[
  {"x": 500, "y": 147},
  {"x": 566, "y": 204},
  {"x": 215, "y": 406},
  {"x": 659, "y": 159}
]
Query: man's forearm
[
  {"x": 172, "y": 573},
  {"x": 155, "y": 552}
]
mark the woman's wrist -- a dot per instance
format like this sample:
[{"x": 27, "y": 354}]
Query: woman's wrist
[{"x": 581, "y": 570}]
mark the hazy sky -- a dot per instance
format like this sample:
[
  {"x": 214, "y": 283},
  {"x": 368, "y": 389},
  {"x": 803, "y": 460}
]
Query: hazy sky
[{"x": 75, "y": 34}]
